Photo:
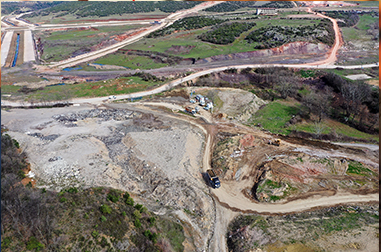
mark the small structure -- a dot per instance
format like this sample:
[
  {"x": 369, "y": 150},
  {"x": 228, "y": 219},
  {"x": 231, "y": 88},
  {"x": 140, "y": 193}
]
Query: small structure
[{"x": 267, "y": 11}]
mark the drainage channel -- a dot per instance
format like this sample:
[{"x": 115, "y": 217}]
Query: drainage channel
[{"x": 17, "y": 50}]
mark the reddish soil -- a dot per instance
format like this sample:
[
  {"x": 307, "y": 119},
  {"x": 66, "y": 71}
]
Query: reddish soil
[
  {"x": 128, "y": 35},
  {"x": 25, "y": 181},
  {"x": 247, "y": 141},
  {"x": 95, "y": 87}
]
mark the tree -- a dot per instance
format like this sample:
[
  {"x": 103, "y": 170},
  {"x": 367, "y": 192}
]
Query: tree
[
  {"x": 354, "y": 95},
  {"x": 317, "y": 103}
]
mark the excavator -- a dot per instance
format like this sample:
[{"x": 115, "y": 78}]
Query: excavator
[{"x": 275, "y": 142}]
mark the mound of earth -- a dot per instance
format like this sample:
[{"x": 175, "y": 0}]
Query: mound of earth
[{"x": 237, "y": 104}]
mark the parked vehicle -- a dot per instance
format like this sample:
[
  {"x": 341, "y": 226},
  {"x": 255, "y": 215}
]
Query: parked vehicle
[{"x": 214, "y": 181}]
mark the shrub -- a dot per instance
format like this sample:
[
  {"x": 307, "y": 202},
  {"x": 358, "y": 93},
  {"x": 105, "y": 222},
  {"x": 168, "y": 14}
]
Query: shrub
[
  {"x": 151, "y": 236},
  {"x": 103, "y": 218},
  {"x": 86, "y": 216},
  {"x": 5, "y": 242},
  {"x": 105, "y": 209},
  {"x": 34, "y": 244},
  {"x": 147, "y": 233},
  {"x": 17, "y": 145},
  {"x": 124, "y": 214},
  {"x": 137, "y": 223},
  {"x": 72, "y": 190},
  {"x": 63, "y": 199},
  {"x": 104, "y": 242},
  {"x": 152, "y": 220},
  {"x": 95, "y": 234},
  {"x": 130, "y": 201},
  {"x": 137, "y": 214},
  {"x": 113, "y": 195},
  {"x": 138, "y": 206},
  {"x": 126, "y": 195}
]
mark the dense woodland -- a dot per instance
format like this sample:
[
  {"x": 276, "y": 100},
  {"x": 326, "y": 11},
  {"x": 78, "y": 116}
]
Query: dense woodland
[
  {"x": 225, "y": 33},
  {"x": 102, "y": 9},
  {"x": 188, "y": 23},
  {"x": 94, "y": 219}
]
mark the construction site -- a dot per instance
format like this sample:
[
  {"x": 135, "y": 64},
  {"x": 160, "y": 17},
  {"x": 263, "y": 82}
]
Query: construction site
[{"x": 248, "y": 150}]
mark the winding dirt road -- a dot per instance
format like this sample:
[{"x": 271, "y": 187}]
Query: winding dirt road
[{"x": 338, "y": 40}]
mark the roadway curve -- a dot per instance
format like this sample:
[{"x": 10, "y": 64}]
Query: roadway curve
[{"x": 338, "y": 40}]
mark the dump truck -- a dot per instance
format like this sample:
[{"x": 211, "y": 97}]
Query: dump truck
[
  {"x": 190, "y": 110},
  {"x": 214, "y": 181}
]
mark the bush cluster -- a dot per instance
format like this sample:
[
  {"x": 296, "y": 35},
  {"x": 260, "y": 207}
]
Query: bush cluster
[
  {"x": 185, "y": 24},
  {"x": 274, "y": 36},
  {"x": 226, "y": 33}
]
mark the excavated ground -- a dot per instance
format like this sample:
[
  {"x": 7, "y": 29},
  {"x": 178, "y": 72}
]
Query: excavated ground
[
  {"x": 147, "y": 154},
  {"x": 157, "y": 154}
]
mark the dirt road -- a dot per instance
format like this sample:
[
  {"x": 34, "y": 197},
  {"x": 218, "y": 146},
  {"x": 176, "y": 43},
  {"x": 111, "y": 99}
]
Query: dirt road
[{"x": 338, "y": 40}]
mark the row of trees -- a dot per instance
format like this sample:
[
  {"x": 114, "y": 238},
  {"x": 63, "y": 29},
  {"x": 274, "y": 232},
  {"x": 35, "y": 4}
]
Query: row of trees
[{"x": 226, "y": 33}]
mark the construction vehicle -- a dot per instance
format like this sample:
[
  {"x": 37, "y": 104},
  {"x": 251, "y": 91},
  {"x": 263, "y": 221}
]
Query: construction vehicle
[
  {"x": 275, "y": 142},
  {"x": 214, "y": 181},
  {"x": 190, "y": 110}
]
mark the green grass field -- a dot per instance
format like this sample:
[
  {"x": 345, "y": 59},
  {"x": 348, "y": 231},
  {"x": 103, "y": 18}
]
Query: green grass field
[
  {"x": 275, "y": 115},
  {"x": 349, "y": 33},
  {"x": 130, "y": 61},
  {"x": 123, "y": 85}
]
